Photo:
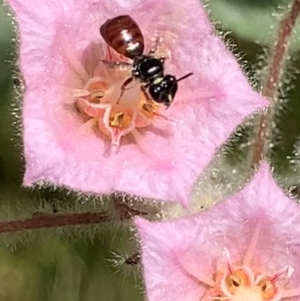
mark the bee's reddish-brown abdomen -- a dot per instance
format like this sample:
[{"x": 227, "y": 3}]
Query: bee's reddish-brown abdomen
[{"x": 123, "y": 35}]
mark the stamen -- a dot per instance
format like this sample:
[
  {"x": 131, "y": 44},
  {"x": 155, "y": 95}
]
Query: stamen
[
  {"x": 228, "y": 260},
  {"x": 268, "y": 289},
  {"x": 98, "y": 94},
  {"x": 90, "y": 109},
  {"x": 268, "y": 284},
  {"x": 237, "y": 281},
  {"x": 80, "y": 93},
  {"x": 95, "y": 105},
  {"x": 117, "y": 121},
  {"x": 288, "y": 270},
  {"x": 267, "y": 281}
]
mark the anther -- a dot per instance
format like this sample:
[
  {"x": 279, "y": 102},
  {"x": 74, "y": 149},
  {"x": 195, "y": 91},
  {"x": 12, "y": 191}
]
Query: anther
[{"x": 116, "y": 120}]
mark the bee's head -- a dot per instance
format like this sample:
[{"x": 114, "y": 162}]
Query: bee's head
[{"x": 163, "y": 89}]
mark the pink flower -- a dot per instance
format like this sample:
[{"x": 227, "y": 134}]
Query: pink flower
[
  {"x": 246, "y": 248},
  {"x": 75, "y": 133}
]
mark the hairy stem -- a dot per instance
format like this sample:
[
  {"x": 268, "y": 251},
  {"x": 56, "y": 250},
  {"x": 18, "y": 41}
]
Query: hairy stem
[
  {"x": 41, "y": 220},
  {"x": 45, "y": 220},
  {"x": 273, "y": 79}
]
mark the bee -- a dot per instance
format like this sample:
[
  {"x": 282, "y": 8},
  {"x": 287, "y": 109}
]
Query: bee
[{"x": 123, "y": 35}]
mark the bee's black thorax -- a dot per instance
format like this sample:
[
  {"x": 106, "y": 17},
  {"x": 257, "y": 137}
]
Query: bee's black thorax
[{"x": 147, "y": 68}]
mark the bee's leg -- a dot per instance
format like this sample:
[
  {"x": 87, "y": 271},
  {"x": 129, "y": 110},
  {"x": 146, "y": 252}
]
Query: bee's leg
[
  {"x": 123, "y": 87},
  {"x": 144, "y": 90}
]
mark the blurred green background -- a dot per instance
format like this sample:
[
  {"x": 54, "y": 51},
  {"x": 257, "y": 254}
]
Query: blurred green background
[{"x": 75, "y": 264}]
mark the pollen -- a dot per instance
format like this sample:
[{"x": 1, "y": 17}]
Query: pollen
[{"x": 116, "y": 114}]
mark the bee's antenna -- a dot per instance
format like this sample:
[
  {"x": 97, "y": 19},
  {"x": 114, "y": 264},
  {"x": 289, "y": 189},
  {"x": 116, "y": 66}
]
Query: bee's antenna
[{"x": 185, "y": 76}]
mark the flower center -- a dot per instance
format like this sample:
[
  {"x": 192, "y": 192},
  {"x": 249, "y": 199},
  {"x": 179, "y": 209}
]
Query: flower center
[
  {"x": 236, "y": 281},
  {"x": 244, "y": 284},
  {"x": 115, "y": 114}
]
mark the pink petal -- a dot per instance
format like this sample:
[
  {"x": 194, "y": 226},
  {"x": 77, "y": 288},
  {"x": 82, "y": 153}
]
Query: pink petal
[
  {"x": 53, "y": 37},
  {"x": 178, "y": 254}
]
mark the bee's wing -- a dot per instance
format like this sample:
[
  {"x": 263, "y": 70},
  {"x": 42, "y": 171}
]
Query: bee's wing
[
  {"x": 117, "y": 64},
  {"x": 162, "y": 37},
  {"x": 117, "y": 69}
]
